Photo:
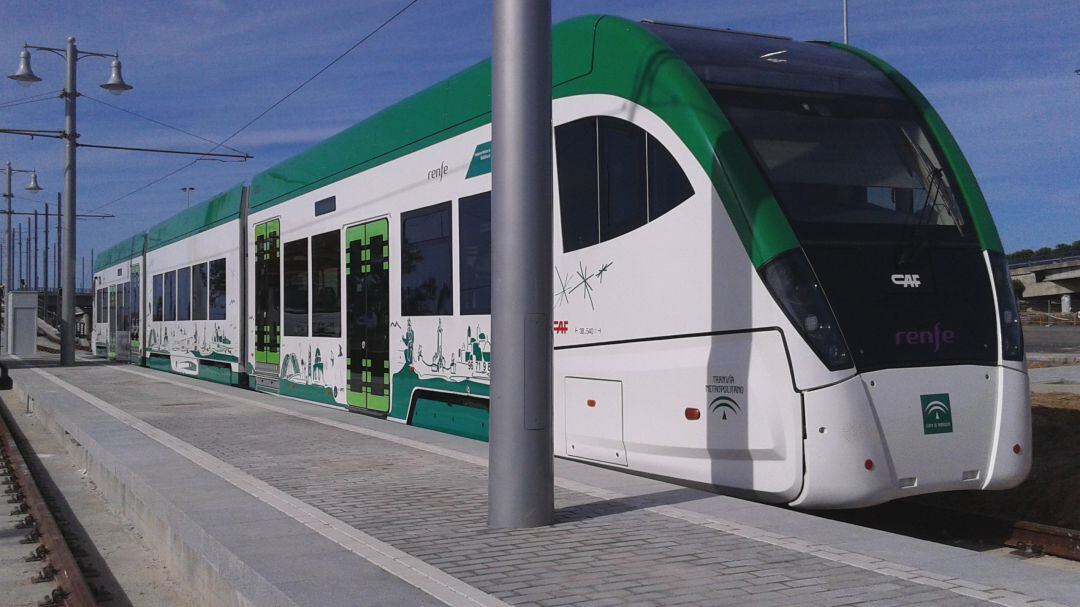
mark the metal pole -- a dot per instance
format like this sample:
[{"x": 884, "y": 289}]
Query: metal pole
[
  {"x": 45, "y": 251},
  {"x": 36, "y": 260},
  {"x": 520, "y": 460},
  {"x": 67, "y": 313},
  {"x": 9, "y": 272},
  {"x": 845, "y": 22},
  {"x": 18, "y": 245},
  {"x": 57, "y": 257},
  {"x": 29, "y": 274}
]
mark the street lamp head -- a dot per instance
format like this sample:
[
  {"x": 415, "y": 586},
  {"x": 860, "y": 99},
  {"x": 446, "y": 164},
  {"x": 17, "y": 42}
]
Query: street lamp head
[
  {"x": 33, "y": 187},
  {"x": 116, "y": 84},
  {"x": 24, "y": 75}
]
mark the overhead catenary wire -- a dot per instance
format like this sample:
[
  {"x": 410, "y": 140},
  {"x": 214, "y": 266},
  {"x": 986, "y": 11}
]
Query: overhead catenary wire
[
  {"x": 31, "y": 99},
  {"x": 270, "y": 108},
  {"x": 160, "y": 123}
]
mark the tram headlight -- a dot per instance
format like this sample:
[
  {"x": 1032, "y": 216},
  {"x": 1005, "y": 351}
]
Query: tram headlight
[
  {"x": 792, "y": 283},
  {"x": 1012, "y": 337}
]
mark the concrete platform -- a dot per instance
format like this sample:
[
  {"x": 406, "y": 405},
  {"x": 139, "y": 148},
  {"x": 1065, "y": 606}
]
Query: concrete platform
[{"x": 260, "y": 500}]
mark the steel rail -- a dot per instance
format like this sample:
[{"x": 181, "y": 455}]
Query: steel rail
[
  {"x": 71, "y": 587},
  {"x": 1045, "y": 539}
]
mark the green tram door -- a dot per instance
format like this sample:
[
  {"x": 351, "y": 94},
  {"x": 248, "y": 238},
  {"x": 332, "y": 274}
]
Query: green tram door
[
  {"x": 133, "y": 322},
  {"x": 367, "y": 287},
  {"x": 112, "y": 320},
  {"x": 267, "y": 297}
]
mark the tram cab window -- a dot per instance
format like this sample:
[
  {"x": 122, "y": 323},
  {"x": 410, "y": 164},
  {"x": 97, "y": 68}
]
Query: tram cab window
[
  {"x": 170, "y": 295},
  {"x": 668, "y": 185},
  {"x": 613, "y": 178},
  {"x": 198, "y": 291},
  {"x": 295, "y": 285},
  {"x": 474, "y": 254},
  {"x": 217, "y": 284},
  {"x": 159, "y": 297},
  {"x": 326, "y": 284},
  {"x": 426, "y": 262},
  {"x": 183, "y": 294}
]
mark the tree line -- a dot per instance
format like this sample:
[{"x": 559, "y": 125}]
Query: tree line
[{"x": 1061, "y": 250}]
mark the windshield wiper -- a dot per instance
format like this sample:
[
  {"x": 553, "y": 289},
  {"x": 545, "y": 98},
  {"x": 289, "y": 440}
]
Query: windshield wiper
[{"x": 933, "y": 177}]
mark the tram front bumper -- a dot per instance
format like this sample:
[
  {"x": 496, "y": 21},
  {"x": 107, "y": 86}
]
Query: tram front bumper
[{"x": 894, "y": 433}]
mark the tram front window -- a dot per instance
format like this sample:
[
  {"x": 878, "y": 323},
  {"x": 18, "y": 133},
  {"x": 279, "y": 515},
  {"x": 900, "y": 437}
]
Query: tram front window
[
  {"x": 874, "y": 209},
  {"x": 845, "y": 160}
]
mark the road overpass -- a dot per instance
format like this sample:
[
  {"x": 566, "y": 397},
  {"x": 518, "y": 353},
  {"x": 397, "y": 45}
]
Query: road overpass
[{"x": 1057, "y": 279}]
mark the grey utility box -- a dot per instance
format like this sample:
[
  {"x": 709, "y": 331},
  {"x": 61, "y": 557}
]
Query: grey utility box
[{"x": 21, "y": 310}]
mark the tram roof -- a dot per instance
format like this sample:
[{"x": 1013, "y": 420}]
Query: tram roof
[
  {"x": 120, "y": 252},
  {"x": 219, "y": 209}
]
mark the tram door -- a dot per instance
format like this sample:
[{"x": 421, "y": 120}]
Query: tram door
[
  {"x": 133, "y": 316},
  {"x": 123, "y": 318},
  {"x": 367, "y": 288},
  {"x": 268, "y": 296},
  {"x": 112, "y": 318}
]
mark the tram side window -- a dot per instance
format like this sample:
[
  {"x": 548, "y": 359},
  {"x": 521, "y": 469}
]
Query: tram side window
[
  {"x": 426, "y": 264},
  {"x": 575, "y": 151},
  {"x": 326, "y": 284},
  {"x": 295, "y": 285},
  {"x": 613, "y": 178},
  {"x": 170, "y": 295},
  {"x": 99, "y": 313},
  {"x": 198, "y": 291},
  {"x": 474, "y": 254},
  {"x": 668, "y": 185},
  {"x": 159, "y": 297},
  {"x": 623, "y": 201},
  {"x": 216, "y": 289},
  {"x": 183, "y": 294}
]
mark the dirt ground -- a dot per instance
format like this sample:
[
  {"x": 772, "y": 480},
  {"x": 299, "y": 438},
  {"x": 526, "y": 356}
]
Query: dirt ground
[{"x": 1051, "y": 493}]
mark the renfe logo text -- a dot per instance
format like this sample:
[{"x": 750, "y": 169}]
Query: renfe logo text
[{"x": 935, "y": 338}]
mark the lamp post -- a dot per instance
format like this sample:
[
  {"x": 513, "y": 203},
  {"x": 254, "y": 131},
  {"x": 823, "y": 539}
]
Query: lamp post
[
  {"x": 33, "y": 187},
  {"x": 115, "y": 85},
  {"x": 187, "y": 190}
]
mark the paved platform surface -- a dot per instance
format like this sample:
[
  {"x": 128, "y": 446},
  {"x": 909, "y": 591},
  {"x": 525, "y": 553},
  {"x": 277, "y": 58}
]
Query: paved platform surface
[
  {"x": 266, "y": 501},
  {"x": 1069, "y": 374}
]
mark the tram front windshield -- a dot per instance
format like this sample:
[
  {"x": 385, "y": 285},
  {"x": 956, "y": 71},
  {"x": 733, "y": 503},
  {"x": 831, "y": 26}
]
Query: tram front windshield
[
  {"x": 876, "y": 212},
  {"x": 845, "y": 166}
]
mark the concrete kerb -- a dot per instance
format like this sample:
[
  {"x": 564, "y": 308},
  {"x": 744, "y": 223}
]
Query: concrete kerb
[{"x": 213, "y": 573}]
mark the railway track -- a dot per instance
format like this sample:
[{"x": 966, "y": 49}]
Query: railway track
[
  {"x": 945, "y": 525},
  {"x": 46, "y": 538}
]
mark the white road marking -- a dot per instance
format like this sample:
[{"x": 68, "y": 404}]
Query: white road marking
[
  {"x": 431, "y": 580},
  {"x": 999, "y": 596}
]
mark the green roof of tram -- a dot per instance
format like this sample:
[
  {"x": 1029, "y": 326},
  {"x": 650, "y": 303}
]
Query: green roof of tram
[
  {"x": 126, "y": 249},
  {"x": 207, "y": 214}
]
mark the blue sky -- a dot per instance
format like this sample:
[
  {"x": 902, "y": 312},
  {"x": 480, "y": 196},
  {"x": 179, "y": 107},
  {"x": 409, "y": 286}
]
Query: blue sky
[{"x": 1000, "y": 72}]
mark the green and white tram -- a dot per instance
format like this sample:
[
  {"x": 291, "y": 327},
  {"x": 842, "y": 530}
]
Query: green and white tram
[{"x": 775, "y": 272}]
